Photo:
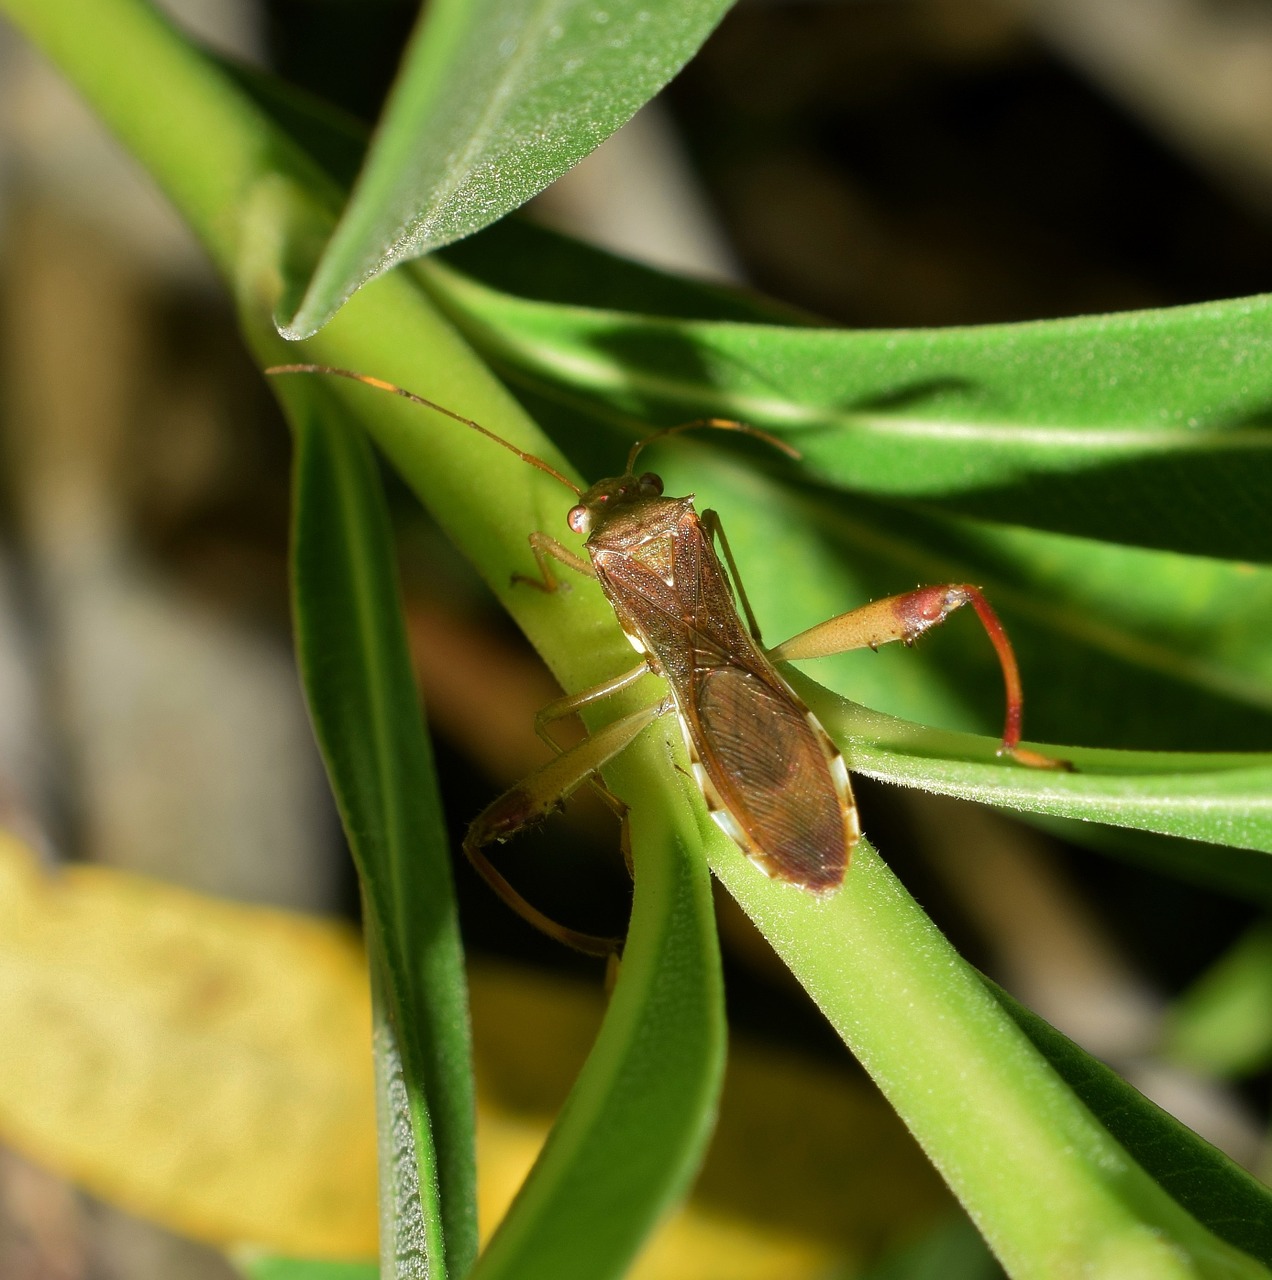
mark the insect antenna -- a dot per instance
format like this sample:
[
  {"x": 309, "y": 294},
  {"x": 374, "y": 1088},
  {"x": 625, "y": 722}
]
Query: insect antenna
[
  {"x": 703, "y": 424},
  {"x": 381, "y": 385}
]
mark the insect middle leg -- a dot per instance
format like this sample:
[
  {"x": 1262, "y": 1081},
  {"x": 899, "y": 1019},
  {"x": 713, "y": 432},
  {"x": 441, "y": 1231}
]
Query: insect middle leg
[
  {"x": 568, "y": 705},
  {"x": 906, "y": 617},
  {"x": 535, "y": 798},
  {"x": 574, "y": 702}
]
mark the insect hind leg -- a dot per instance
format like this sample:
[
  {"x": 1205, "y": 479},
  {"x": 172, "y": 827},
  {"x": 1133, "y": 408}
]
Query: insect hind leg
[{"x": 906, "y": 617}]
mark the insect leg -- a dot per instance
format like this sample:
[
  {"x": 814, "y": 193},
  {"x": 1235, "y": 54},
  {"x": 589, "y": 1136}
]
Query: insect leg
[
  {"x": 715, "y": 530},
  {"x": 535, "y": 798},
  {"x": 546, "y": 548},
  {"x": 574, "y": 702},
  {"x": 905, "y": 618}
]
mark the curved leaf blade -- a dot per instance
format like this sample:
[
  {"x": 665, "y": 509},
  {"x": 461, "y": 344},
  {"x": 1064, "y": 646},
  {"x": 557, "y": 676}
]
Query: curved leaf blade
[
  {"x": 496, "y": 99},
  {"x": 636, "y": 1123},
  {"x": 1152, "y": 428},
  {"x": 365, "y": 709},
  {"x": 1226, "y": 798}
]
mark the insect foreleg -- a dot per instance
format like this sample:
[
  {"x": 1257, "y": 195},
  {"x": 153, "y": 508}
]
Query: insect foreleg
[
  {"x": 905, "y": 618},
  {"x": 535, "y": 798},
  {"x": 710, "y": 521},
  {"x": 546, "y": 548}
]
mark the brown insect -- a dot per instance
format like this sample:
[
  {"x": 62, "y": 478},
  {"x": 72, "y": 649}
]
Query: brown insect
[{"x": 772, "y": 778}]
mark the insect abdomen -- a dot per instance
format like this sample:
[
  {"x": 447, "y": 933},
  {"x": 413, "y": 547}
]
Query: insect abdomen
[{"x": 775, "y": 773}]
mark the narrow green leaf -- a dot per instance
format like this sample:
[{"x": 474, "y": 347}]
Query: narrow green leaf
[
  {"x": 1049, "y": 1187},
  {"x": 365, "y": 709},
  {"x": 1197, "y": 795},
  {"x": 1222, "y": 1024},
  {"x": 495, "y": 100},
  {"x": 1151, "y": 428},
  {"x": 633, "y": 1130},
  {"x": 1217, "y": 1192}
]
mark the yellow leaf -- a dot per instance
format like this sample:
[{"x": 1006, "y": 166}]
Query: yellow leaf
[
  {"x": 196, "y": 1061},
  {"x": 208, "y": 1065}
]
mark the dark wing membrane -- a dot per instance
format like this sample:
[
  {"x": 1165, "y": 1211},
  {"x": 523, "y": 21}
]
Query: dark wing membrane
[{"x": 772, "y": 770}]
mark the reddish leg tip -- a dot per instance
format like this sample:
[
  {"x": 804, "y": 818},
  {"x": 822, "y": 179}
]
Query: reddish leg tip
[{"x": 1035, "y": 759}]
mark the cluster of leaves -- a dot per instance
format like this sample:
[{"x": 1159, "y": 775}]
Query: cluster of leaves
[{"x": 1106, "y": 480}]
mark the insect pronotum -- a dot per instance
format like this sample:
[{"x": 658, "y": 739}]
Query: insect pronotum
[{"x": 771, "y": 777}]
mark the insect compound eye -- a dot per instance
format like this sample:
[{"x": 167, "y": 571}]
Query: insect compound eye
[
  {"x": 651, "y": 484},
  {"x": 579, "y": 519}
]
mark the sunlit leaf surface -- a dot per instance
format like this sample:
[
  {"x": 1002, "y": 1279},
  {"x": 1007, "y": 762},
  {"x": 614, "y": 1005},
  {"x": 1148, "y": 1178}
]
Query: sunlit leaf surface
[{"x": 495, "y": 100}]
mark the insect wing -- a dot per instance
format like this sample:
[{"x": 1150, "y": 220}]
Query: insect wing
[{"x": 781, "y": 789}]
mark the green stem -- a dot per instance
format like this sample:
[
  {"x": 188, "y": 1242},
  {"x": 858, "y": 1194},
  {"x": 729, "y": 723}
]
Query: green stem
[{"x": 1052, "y": 1191}]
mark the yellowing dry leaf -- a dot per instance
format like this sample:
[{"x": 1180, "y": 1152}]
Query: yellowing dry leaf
[{"x": 196, "y": 1061}]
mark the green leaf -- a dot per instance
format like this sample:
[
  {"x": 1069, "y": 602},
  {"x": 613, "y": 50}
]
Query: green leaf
[
  {"x": 495, "y": 100},
  {"x": 633, "y": 1130},
  {"x": 1149, "y": 428},
  {"x": 1053, "y": 1192},
  {"x": 365, "y": 710},
  {"x": 1198, "y": 795},
  {"x": 1217, "y": 1192},
  {"x": 1222, "y": 1025}
]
